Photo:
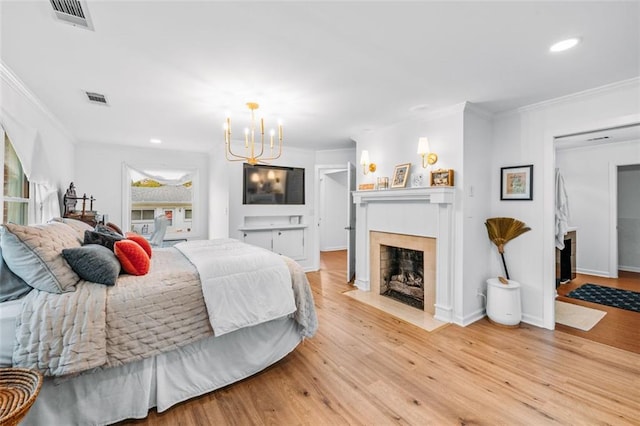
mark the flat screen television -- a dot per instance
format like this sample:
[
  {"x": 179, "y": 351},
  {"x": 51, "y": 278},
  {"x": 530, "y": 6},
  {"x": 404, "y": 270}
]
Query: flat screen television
[{"x": 264, "y": 184}]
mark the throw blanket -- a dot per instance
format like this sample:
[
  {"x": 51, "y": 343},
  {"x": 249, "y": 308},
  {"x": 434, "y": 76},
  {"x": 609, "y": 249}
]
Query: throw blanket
[
  {"x": 98, "y": 326},
  {"x": 245, "y": 286}
]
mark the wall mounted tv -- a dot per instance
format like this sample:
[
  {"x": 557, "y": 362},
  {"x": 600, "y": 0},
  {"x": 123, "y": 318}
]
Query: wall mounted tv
[{"x": 272, "y": 184}]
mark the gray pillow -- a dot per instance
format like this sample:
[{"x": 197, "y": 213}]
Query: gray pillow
[
  {"x": 93, "y": 262},
  {"x": 102, "y": 238},
  {"x": 34, "y": 253},
  {"x": 11, "y": 286}
]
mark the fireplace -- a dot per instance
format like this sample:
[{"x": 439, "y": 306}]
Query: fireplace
[
  {"x": 403, "y": 267},
  {"x": 402, "y": 275},
  {"x": 414, "y": 218}
]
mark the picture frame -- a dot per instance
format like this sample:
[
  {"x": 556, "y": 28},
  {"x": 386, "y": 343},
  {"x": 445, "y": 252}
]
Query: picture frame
[
  {"x": 516, "y": 183},
  {"x": 441, "y": 177},
  {"x": 400, "y": 175}
]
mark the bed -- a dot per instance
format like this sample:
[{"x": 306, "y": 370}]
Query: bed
[{"x": 204, "y": 316}]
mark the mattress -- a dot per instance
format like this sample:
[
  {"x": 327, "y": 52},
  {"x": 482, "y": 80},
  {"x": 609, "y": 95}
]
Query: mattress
[{"x": 8, "y": 313}]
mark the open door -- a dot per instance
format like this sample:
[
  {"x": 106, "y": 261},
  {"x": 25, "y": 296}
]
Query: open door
[{"x": 351, "y": 225}]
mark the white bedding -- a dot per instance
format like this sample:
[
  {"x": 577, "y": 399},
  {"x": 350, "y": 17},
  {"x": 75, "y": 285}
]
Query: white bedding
[
  {"x": 245, "y": 285},
  {"x": 8, "y": 313},
  {"x": 109, "y": 395}
]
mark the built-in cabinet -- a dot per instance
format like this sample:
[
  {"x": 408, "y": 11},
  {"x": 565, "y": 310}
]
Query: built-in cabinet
[{"x": 277, "y": 234}]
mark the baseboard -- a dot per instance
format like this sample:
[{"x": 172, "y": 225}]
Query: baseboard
[
  {"x": 340, "y": 248},
  {"x": 604, "y": 274},
  {"x": 629, "y": 268},
  {"x": 472, "y": 317}
]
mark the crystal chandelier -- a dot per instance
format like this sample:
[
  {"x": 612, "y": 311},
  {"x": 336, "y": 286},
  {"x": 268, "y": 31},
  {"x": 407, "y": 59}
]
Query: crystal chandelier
[{"x": 253, "y": 154}]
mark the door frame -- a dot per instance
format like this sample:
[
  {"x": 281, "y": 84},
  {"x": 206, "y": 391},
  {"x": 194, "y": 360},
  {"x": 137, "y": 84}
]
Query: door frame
[
  {"x": 320, "y": 171},
  {"x": 549, "y": 206}
]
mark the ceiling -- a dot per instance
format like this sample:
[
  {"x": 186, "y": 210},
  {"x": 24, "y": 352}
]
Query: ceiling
[{"x": 172, "y": 70}]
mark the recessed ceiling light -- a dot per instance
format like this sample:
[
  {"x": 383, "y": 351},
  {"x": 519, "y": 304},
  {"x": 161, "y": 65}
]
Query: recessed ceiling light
[
  {"x": 563, "y": 45},
  {"x": 155, "y": 141}
]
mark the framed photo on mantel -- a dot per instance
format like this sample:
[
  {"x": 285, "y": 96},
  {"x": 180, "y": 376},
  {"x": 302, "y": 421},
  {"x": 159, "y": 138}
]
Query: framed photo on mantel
[
  {"x": 516, "y": 183},
  {"x": 400, "y": 175}
]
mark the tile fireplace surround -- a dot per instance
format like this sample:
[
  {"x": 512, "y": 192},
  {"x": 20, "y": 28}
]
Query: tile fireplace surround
[{"x": 419, "y": 212}]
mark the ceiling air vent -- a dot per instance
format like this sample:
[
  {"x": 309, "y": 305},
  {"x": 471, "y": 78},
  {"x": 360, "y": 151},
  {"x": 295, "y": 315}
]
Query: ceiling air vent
[
  {"x": 72, "y": 12},
  {"x": 96, "y": 98},
  {"x": 600, "y": 138}
]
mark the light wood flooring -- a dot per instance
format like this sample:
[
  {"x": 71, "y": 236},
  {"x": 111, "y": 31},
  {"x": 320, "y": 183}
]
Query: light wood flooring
[
  {"x": 365, "y": 367},
  {"x": 620, "y": 327}
]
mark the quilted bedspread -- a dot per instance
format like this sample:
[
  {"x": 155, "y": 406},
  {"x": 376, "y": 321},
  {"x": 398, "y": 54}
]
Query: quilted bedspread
[{"x": 98, "y": 326}]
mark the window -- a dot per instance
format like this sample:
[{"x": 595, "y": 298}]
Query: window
[
  {"x": 15, "y": 194},
  {"x": 158, "y": 191}
]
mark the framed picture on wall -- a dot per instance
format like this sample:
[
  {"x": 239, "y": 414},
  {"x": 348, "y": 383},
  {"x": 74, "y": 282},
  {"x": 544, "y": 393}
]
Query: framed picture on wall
[
  {"x": 516, "y": 183},
  {"x": 400, "y": 175}
]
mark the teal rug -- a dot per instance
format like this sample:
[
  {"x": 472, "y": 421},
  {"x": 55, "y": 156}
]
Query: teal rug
[{"x": 615, "y": 297}]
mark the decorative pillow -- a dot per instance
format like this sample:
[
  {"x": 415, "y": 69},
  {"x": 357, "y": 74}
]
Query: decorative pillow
[
  {"x": 142, "y": 241},
  {"x": 114, "y": 228},
  {"x": 34, "y": 253},
  {"x": 102, "y": 238},
  {"x": 94, "y": 263},
  {"x": 77, "y": 225},
  {"x": 11, "y": 286},
  {"x": 132, "y": 257}
]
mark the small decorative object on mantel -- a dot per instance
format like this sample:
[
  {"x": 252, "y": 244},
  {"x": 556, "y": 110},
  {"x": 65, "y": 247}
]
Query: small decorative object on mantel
[
  {"x": 383, "y": 182},
  {"x": 400, "y": 175},
  {"x": 441, "y": 177},
  {"x": 516, "y": 183},
  {"x": 366, "y": 187}
]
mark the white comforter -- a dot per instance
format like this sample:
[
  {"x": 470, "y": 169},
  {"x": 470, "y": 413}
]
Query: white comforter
[
  {"x": 98, "y": 326},
  {"x": 248, "y": 286}
]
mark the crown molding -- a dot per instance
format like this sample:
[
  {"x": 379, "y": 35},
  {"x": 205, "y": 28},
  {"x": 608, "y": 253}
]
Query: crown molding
[
  {"x": 479, "y": 111},
  {"x": 16, "y": 84},
  {"x": 573, "y": 96}
]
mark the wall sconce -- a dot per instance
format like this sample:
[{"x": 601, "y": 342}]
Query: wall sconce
[
  {"x": 367, "y": 166},
  {"x": 428, "y": 158}
]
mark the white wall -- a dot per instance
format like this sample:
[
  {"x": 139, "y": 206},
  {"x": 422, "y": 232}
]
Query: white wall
[
  {"x": 99, "y": 172},
  {"x": 587, "y": 175},
  {"x": 56, "y": 147},
  {"x": 526, "y": 136},
  {"x": 474, "y": 194},
  {"x": 291, "y": 157},
  {"x": 218, "y": 196},
  {"x": 333, "y": 211},
  {"x": 629, "y": 216}
]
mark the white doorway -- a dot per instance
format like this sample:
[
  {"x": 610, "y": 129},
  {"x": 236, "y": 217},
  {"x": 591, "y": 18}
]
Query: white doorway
[
  {"x": 589, "y": 163},
  {"x": 628, "y": 218},
  {"x": 336, "y": 218}
]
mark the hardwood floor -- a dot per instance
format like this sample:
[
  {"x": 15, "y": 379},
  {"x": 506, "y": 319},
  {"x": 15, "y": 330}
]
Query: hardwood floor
[
  {"x": 365, "y": 367},
  {"x": 619, "y": 328}
]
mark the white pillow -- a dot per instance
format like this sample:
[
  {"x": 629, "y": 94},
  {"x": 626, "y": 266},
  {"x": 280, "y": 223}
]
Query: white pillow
[{"x": 34, "y": 253}]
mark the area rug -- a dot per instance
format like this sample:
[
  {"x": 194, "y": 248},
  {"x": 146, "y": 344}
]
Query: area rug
[
  {"x": 615, "y": 297},
  {"x": 577, "y": 316}
]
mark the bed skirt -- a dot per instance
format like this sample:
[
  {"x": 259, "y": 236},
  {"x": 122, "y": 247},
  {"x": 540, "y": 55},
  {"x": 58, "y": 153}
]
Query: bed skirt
[{"x": 110, "y": 395}]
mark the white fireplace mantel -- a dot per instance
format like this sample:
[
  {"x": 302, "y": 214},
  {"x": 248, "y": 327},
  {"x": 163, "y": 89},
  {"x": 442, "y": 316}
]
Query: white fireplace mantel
[
  {"x": 436, "y": 195},
  {"x": 425, "y": 211}
]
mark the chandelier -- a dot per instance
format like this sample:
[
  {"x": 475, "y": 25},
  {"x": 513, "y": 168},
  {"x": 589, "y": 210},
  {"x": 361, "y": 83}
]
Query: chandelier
[{"x": 253, "y": 154}]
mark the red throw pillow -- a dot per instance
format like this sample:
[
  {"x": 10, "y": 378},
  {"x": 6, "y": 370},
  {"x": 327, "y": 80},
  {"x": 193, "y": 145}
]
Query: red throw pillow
[
  {"x": 142, "y": 241},
  {"x": 132, "y": 257}
]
